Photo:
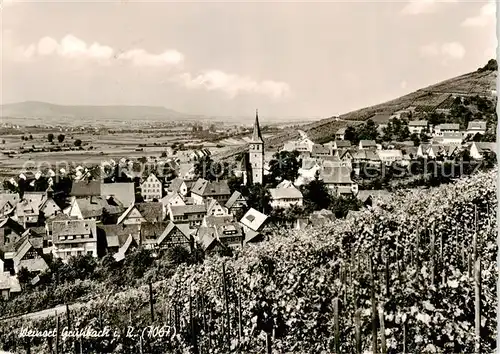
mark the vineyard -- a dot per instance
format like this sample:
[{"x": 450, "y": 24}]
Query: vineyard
[{"x": 416, "y": 274}]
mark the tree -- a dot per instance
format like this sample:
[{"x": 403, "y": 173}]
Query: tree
[
  {"x": 137, "y": 263},
  {"x": 3, "y": 141},
  {"x": 60, "y": 138},
  {"x": 78, "y": 143},
  {"x": 284, "y": 166},
  {"x": 424, "y": 137},
  {"x": 41, "y": 184},
  {"x": 31, "y": 137},
  {"x": 340, "y": 206},
  {"x": 8, "y": 186},
  {"x": 210, "y": 170},
  {"x": 350, "y": 134},
  {"x": 259, "y": 198},
  {"x": 368, "y": 131},
  {"x": 82, "y": 267},
  {"x": 24, "y": 277},
  {"x": 234, "y": 183},
  {"x": 415, "y": 138},
  {"x": 316, "y": 195},
  {"x": 178, "y": 255}
]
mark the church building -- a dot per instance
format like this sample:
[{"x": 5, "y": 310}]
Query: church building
[{"x": 254, "y": 159}]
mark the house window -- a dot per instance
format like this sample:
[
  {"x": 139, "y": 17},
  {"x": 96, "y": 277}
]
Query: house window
[{"x": 90, "y": 253}]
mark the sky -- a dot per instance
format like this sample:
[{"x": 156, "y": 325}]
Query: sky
[{"x": 288, "y": 59}]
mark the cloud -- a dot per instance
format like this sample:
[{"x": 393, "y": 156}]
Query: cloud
[
  {"x": 486, "y": 16},
  {"x": 232, "y": 85},
  {"x": 71, "y": 47},
  {"x": 450, "y": 50},
  {"x": 140, "y": 57},
  {"x": 417, "y": 7}
]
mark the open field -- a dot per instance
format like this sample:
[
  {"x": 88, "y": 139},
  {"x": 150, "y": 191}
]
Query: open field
[{"x": 97, "y": 148}]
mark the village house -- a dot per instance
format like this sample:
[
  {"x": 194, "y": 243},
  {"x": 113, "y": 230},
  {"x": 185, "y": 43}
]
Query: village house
[
  {"x": 131, "y": 216},
  {"x": 82, "y": 189},
  {"x": 124, "y": 246},
  {"x": 371, "y": 198},
  {"x": 422, "y": 150},
  {"x": 338, "y": 179},
  {"x": 369, "y": 157},
  {"x": 220, "y": 232},
  {"x": 29, "y": 255},
  {"x": 455, "y": 138},
  {"x": 74, "y": 238},
  {"x": 10, "y": 233},
  {"x": 367, "y": 144},
  {"x": 172, "y": 199},
  {"x": 203, "y": 190},
  {"x": 197, "y": 155},
  {"x": 316, "y": 219},
  {"x": 187, "y": 214},
  {"x": 172, "y": 235},
  {"x": 440, "y": 129},
  {"x": 417, "y": 126},
  {"x": 28, "y": 208},
  {"x": 151, "y": 211},
  {"x": 344, "y": 154},
  {"x": 307, "y": 171},
  {"x": 214, "y": 208},
  {"x": 302, "y": 145},
  {"x": 151, "y": 188},
  {"x": 236, "y": 203},
  {"x": 435, "y": 151},
  {"x": 95, "y": 208},
  {"x": 340, "y": 134},
  {"x": 319, "y": 151},
  {"x": 119, "y": 238},
  {"x": 333, "y": 161},
  {"x": 177, "y": 185},
  {"x": 253, "y": 223},
  {"x": 122, "y": 192},
  {"x": 381, "y": 120},
  {"x": 389, "y": 156},
  {"x": 48, "y": 207},
  {"x": 479, "y": 150},
  {"x": 8, "y": 204},
  {"x": 476, "y": 127},
  {"x": 339, "y": 144},
  {"x": 285, "y": 195}
]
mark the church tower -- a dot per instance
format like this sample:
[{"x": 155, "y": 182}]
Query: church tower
[{"x": 256, "y": 154}]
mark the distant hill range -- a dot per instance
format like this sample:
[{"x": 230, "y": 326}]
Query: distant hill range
[
  {"x": 481, "y": 82},
  {"x": 43, "y": 110}
]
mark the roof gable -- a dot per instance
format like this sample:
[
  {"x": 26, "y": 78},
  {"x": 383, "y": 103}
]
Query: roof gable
[
  {"x": 253, "y": 219},
  {"x": 151, "y": 211},
  {"x": 124, "y": 192},
  {"x": 86, "y": 188}
]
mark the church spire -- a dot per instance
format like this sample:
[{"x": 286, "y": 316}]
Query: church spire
[{"x": 256, "y": 136}]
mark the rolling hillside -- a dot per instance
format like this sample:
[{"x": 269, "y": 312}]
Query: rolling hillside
[{"x": 480, "y": 82}]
